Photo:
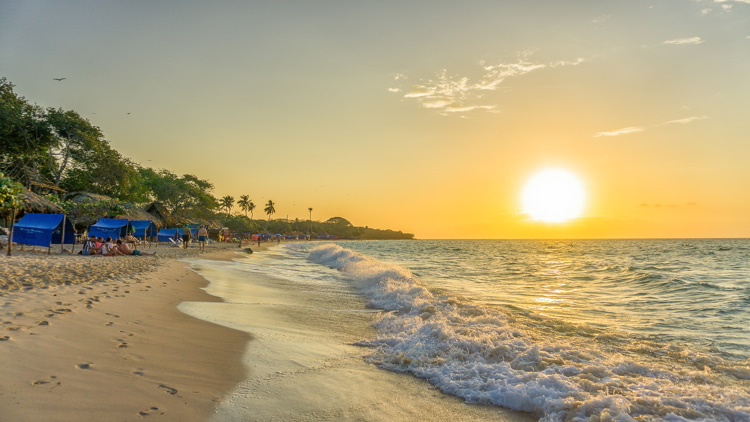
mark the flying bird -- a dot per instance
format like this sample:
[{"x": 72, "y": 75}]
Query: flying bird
[{"x": 59, "y": 79}]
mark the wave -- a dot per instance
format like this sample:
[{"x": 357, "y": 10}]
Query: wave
[{"x": 484, "y": 355}]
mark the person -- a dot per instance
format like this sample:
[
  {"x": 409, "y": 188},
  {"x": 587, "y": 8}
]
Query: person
[
  {"x": 202, "y": 236},
  {"x": 89, "y": 247},
  {"x": 104, "y": 247},
  {"x": 123, "y": 249},
  {"x": 109, "y": 248},
  {"x": 186, "y": 236},
  {"x": 129, "y": 238}
]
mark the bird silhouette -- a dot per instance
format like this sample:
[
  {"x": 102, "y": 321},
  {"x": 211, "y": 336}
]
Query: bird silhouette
[{"x": 59, "y": 79}]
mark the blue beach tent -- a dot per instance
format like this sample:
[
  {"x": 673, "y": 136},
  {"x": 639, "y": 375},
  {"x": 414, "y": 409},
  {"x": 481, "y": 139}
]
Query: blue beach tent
[
  {"x": 143, "y": 228},
  {"x": 165, "y": 234},
  {"x": 115, "y": 228},
  {"x": 43, "y": 230}
]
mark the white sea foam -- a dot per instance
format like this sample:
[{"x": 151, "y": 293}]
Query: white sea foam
[{"x": 484, "y": 356}]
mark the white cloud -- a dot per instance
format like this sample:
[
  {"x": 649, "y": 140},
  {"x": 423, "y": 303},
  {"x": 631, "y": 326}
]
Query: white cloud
[
  {"x": 706, "y": 11},
  {"x": 686, "y": 120},
  {"x": 602, "y": 18},
  {"x": 732, "y": 1},
  {"x": 683, "y": 41},
  {"x": 618, "y": 132},
  {"x": 447, "y": 93}
]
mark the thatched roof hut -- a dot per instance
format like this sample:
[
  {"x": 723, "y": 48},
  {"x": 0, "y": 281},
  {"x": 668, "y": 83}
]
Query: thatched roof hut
[
  {"x": 38, "y": 204},
  {"x": 84, "y": 197},
  {"x": 159, "y": 212},
  {"x": 133, "y": 213}
]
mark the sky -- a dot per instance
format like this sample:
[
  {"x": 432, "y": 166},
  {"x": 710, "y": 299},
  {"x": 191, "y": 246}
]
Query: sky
[{"x": 427, "y": 117}]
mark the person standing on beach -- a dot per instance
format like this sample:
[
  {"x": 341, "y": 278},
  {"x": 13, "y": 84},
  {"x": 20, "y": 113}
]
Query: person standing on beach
[
  {"x": 186, "y": 236},
  {"x": 202, "y": 236}
]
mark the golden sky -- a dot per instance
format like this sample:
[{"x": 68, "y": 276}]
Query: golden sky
[{"x": 422, "y": 116}]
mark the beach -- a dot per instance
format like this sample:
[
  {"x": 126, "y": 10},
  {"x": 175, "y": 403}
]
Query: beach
[{"x": 101, "y": 338}]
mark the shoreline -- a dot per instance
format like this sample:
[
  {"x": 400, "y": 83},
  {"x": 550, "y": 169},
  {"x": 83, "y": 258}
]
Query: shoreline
[{"x": 112, "y": 345}]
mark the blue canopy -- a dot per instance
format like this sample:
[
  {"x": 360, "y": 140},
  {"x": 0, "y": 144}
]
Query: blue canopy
[
  {"x": 166, "y": 234},
  {"x": 115, "y": 228},
  {"x": 42, "y": 230},
  {"x": 143, "y": 228}
]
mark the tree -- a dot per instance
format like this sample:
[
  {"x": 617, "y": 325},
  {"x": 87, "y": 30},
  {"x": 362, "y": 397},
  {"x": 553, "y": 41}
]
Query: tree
[
  {"x": 251, "y": 207},
  {"x": 183, "y": 195},
  {"x": 244, "y": 203},
  {"x": 270, "y": 209},
  {"x": 25, "y": 136},
  {"x": 10, "y": 194},
  {"x": 227, "y": 202},
  {"x": 77, "y": 141}
]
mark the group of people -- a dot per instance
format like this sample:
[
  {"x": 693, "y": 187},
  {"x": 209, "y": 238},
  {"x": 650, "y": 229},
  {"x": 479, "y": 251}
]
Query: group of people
[
  {"x": 98, "y": 246},
  {"x": 202, "y": 235}
]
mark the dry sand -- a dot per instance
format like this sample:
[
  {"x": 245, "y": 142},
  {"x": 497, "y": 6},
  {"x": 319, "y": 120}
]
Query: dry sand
[{"x": 112, "y": 346}]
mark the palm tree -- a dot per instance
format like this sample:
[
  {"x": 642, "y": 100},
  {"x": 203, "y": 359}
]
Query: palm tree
[
  {"x": 310, "y": 209},
  {"x": 269, "y": 209},
  {"x": 227, "y": 202},
  {"x": 244, "y": 203},
  {"x": 251, "y": 207}
]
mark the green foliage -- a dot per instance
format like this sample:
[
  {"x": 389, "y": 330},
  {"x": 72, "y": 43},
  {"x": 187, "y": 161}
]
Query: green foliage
[
  {"x": 240, "y": 224},
  {"x": 109, "y": 208},
  {"x": 10, "y": 194},
  {"x": 23, "y": 131},
  {"x": 227, "y": 202},
  {"x": 186, "y": 196},
  {"x": 244, "y": 203}
]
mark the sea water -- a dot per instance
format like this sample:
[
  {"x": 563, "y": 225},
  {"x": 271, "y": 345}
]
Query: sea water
[{"x": 568, "y": 330}]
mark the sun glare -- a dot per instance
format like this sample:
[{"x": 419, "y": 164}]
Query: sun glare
[{"x": 553, "y": 196}]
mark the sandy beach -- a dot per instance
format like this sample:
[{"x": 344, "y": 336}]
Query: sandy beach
[{"x": 99, "y": 338}]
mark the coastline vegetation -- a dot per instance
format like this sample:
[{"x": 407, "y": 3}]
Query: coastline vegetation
[{"x": 59, "y": 150}]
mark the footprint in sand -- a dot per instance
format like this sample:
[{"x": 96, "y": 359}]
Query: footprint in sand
[
  {"x": 168, "y": 389},
  {"x": 43, "y": 323},
  {"x": 84, "y": 365},
  {"x": 52, "y": 378},
  {"x": 138, "y": 373},
  {"x": 149, "y": 411},
  {"x": 112, "y": 315},
  {"x": 109, "y": 324},
  {"x": 4, "y": 338}
]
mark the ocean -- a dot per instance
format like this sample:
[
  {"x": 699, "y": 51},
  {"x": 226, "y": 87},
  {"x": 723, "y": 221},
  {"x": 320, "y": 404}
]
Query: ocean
[{"x": 566, "y": 330}]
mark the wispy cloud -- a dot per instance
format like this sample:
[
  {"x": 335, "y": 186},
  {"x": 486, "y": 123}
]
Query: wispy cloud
[
  {"x": 683, "y": 41},
  {"x": 448, "y": 94},
  {"x": 732, "y": 1},
  {"x": 602, "y": 18},
  {"x": 618, "y": 132},
  {"x": 686, "y": 120}
]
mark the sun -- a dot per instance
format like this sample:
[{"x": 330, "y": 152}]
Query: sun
[{"x": 554, "y": 196}]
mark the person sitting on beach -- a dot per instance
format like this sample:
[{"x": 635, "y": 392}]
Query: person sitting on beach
[
  {"x": 202, "y": 236},
  {"x": 123, "y": 249},
  {"x": 129, "y": 238},
  {"x": 89, "y": 247},
  {"x": 109, "y": 248}
]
